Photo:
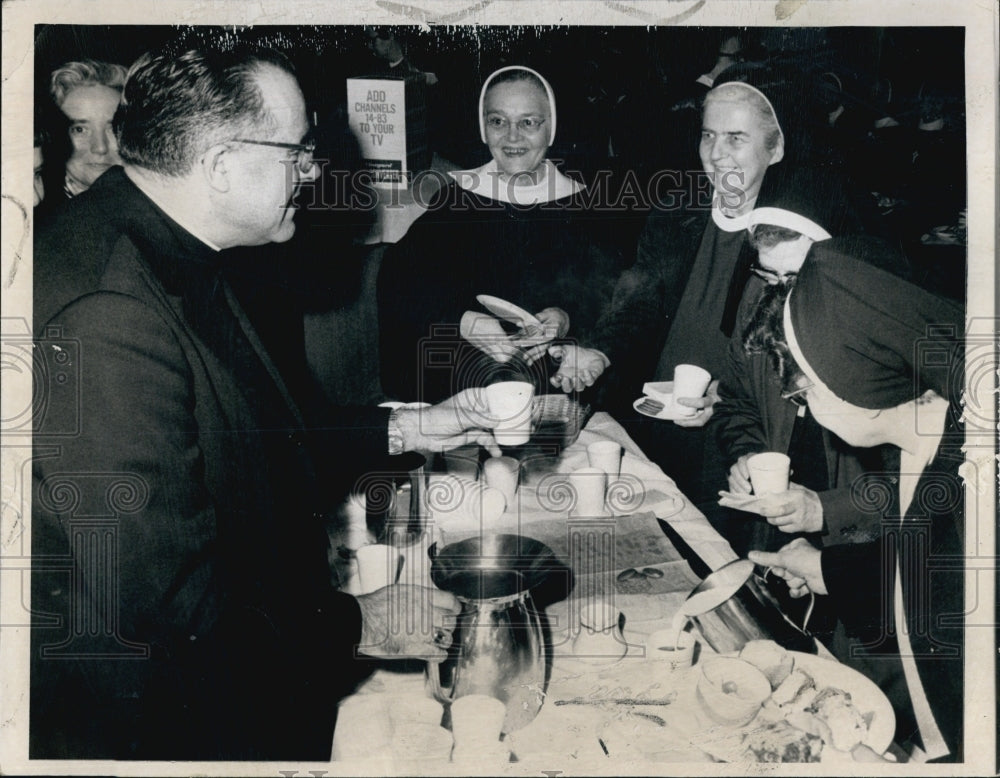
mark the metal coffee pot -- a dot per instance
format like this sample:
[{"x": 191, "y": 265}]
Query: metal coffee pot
[
  {"x": 733, "y": 606},
  {"x": 498, "y": 647}
]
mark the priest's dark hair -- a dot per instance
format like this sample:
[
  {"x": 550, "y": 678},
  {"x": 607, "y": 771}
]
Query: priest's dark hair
[{"x": 175, "y": 106}]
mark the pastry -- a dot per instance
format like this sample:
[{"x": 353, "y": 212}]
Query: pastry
[
  {"x": 770, "y": 658},
  {"x": 847, "y": 726},
  {"x": 781, "y": 742},
  {"x": 794, "y": 689}
]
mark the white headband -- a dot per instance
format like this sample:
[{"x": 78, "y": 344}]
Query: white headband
[
  {"x": 787, "y": 219},
  {"x": 796, "y": 351},
  {"x": 548, "y": 92},
  {"x": 763, "y": 96}
]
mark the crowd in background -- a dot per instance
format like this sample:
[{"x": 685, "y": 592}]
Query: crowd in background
[{"x": 884, "y": 107}]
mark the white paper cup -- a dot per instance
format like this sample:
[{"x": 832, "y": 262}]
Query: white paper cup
[
  {"x": 510, "y": 402},
  {"x": 477, "y": 719},
  {"x": 588, "y": 485},
  {"x": 378, "y": 566},
  {"x": 606, "y": 455},
  {"x": 406, "y": 710},
  {"x": 482, "y": 760},
  {"x": 363, "y": 727},
  {"x": 463, "y": 462},
  {"x": 691, "y": 382},
  {"x": 455, "y": 502},
  {"x": 501, "y": 473},
  {"x": 600, "y": 640},
  {"x": 415, "y": 745},
  {"x": 769, "y": 472},
  {"x": 661, "y": 648}
]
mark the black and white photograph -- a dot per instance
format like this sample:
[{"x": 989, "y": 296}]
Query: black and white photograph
[{"x": 499, "y": 388}]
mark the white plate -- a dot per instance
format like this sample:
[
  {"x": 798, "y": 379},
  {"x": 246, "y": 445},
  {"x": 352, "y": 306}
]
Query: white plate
[
  {"x": 508, "y": 311},
  {"x": 726, "y": 743},
  {"x": 669, "y": 412},
  {"x": 865, "y": 695}
]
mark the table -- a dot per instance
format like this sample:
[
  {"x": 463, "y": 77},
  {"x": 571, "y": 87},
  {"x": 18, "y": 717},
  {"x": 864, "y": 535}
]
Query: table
[{"x": 549, "y": 743}]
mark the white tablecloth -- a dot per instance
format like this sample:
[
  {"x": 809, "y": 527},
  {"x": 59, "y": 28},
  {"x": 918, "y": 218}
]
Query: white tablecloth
[{"x": 646, "y": 494}]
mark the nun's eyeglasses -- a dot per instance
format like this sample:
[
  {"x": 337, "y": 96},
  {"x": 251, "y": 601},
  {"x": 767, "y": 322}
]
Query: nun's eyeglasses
[
  {"x": 528, "y": 125},
  {"x": 303, "y": 159},
  {"x": 770, "y": 276},
  {"x": 797, "y": 396}
]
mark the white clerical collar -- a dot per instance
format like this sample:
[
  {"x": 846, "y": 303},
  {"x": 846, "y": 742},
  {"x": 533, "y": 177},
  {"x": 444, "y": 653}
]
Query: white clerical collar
[
  {"x": 731, "y": 223},
  {"x": 168, "y": 211},
  {"x": 487, "y": 182}
]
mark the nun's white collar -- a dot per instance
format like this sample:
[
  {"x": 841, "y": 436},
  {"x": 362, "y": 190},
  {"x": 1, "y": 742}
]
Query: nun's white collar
[{"x": 487, "y": 182}]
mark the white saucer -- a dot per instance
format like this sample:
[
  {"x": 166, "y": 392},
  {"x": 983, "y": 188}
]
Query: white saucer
[
  {"x": 669, "y": 413},
  {"x": 751, "y": 503},
  {"x": 508, "y": 311}
]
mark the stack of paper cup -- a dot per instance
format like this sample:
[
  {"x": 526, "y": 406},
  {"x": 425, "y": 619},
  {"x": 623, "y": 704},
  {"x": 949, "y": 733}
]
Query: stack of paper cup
[
  {"x": 363, "y": 729},
  {"x": 460, "y": 502},
  {"x": 418, "y": 739},
  {"x": 414, "y": 708},
  {"x": 418, "y": 747},
  {"x": 588, "y": 485}
]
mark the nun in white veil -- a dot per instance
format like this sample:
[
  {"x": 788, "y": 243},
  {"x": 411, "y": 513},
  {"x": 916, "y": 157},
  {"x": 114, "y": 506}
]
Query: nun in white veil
[{"x": 516, "y": 228}]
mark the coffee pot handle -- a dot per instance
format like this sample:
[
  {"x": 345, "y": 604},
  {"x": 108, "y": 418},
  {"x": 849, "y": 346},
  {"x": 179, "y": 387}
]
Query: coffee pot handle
[{"x": 809, "y": 609}]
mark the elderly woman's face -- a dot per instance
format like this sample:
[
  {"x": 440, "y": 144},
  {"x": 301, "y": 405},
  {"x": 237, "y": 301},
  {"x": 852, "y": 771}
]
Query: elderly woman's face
[
  {"x": 734, "y": 151},
  {"x": 517, "y": 120}
]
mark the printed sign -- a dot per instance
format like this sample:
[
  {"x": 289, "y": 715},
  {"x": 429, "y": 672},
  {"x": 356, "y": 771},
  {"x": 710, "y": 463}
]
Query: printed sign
[{"x": 377, "y": 116}]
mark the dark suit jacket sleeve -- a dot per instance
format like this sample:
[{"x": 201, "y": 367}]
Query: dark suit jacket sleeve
[
  {"x": 845, "y": 520},
  {"x": 138, "y": 458},
  {"x": 855, "y": 579},
  {"x": 736, "y": 420}
]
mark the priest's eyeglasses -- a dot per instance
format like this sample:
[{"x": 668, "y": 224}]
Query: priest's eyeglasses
[{"x": 303, "y": 159}]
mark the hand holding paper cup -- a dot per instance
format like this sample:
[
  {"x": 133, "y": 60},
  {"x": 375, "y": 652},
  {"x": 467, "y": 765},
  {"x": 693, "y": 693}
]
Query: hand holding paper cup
[
  {"x": 690, "y": 382},
  {"x": 769, "y": 472},
  {"x": 510, "y": 402}
]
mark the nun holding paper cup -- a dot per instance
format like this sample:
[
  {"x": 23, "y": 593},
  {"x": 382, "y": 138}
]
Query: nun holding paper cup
[{"x": 881, "y": 362}]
